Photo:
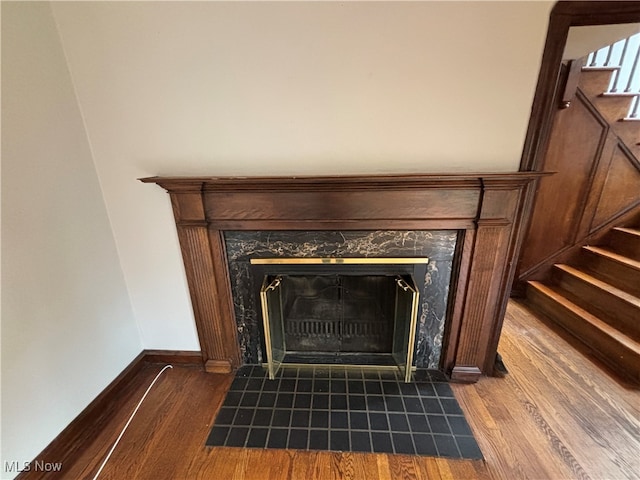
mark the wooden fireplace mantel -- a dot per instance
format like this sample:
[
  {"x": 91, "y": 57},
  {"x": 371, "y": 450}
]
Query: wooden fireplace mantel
[{"x": 487, "y": 208}]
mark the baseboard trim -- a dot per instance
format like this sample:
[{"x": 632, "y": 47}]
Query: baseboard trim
[
  {"x": 465, "y": 374},
  {"x": 179, "y": 357},
  {"x": 218, "y": 366},
  {"x": 65, "y": 447}
]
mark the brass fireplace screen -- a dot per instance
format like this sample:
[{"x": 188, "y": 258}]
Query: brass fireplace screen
[{"x": 340, "y": 310}]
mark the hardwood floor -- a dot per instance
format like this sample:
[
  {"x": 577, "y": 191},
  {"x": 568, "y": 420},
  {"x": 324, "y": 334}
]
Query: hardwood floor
[{"x": 557, "y": 414}]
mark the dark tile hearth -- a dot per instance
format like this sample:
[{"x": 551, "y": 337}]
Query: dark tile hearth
[{"x": 344, "y": 409}]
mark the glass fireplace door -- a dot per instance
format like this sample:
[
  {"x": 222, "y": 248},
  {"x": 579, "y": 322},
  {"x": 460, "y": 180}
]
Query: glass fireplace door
[
  {"x": 271, "y": 300},
  {"x": 404, "y": 331},
  {"x": 340, "y": 311}
]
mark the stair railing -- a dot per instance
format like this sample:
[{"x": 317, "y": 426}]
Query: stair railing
[{"x": 624, "y": 56}]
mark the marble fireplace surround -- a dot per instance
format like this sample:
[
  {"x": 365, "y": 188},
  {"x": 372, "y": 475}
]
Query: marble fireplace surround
[{"x": 485, "y": 210}]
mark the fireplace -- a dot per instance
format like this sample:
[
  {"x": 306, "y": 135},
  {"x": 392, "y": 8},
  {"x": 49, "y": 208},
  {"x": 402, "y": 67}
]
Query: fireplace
[
  {"x": 353, "y": 311},
  {"x": 483, "y": 212},
  {"x": 352, "y": 256}
]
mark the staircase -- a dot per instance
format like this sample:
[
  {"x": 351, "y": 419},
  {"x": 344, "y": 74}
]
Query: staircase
[
  {"x": 619, "y": 67},
  {"x": 597, "y": 299},
  {"x": 594, "y": 292}
]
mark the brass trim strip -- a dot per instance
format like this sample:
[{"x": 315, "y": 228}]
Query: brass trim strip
[
  {"x": 271, "y": 361},
  {"x": 338, "y": 261},
  {"x": 349, "y": 366},
  {"x": 411, "y": 344}
]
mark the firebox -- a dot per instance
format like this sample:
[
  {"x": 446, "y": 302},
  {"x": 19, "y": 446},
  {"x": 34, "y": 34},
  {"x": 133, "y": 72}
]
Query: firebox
[{"x": 349, "y": 311}]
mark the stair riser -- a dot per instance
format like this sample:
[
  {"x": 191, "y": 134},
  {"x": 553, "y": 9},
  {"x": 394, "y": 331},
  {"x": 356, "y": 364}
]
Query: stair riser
[
  {"x": 620, "y": 358},
  {"x": 618, "y": 313},
  {"x": 620, "y": 276},
  {"x": 625, "y": 244},
  {"x": 594, "y": 82},
  {"x": 613, "y": 109}
]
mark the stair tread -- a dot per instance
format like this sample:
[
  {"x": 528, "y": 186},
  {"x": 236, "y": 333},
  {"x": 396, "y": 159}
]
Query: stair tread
[
  {"x": 605, "y": 328},
  {"x": 629, "y": 230},
  {"x": 620, "y": 94},
  {"x": 621, "y": 294},
  {"x": 587, "y": 68},
  {"x": 613, "y": 256}
]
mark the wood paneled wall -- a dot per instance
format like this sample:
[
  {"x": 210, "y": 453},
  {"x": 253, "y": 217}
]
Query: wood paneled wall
[
  {"x": 596, "y": 184},
  {"x": 487, "y": 208}
]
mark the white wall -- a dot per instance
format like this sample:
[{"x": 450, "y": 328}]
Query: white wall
[
  {"x": 269, "y": 88},
  {"x": 581, "y": 41},
  {"x": 68, "y": 328}
]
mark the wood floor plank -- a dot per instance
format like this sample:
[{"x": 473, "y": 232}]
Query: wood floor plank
[
  {"x": 384, "y": 471},
  {"x": 428, "y": 468},
  {"x": 610, "y": 430},
  {"x": 304, "y": 464},
  {"x": 364, "y": 467},
  {"x": 498, "y": 422},
  {"x": 402, "y": 467},
  {"x": 345, "y": 465},
  {"x": 557, "y": 414}
]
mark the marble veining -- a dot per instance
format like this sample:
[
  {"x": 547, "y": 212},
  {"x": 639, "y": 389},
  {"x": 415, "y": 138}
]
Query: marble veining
[{"x": 439, "y": 246}]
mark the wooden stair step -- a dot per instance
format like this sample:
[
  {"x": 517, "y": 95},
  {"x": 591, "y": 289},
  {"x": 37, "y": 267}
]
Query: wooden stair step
[
  {"x": 625, "y": 241},
  {"x": 622, "y": 259},
  {"x": 631, "y": 95},
  {"x": 595, "y": 80},
  {"x": 557, "y": 296},
  {"x": 618, "y": 308},
  {"x": 629, "y": 230},
  {"x": 618, "y": 270},
  {"x": 609, "y": 344},
  {"x": 613, "y": 108}
]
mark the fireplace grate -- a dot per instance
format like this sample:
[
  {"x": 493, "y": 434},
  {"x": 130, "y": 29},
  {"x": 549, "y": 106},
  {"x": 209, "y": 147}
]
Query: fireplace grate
[{"x": 347, "y": 328}]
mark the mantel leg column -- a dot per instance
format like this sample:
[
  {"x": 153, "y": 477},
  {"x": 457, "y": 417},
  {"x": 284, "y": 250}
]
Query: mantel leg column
[
  {"x": 214, "y": 319},
  {"x": 481, "y": 302}
]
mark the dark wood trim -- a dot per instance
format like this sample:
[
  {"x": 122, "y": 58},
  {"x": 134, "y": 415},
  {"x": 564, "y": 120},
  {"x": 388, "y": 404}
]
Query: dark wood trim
[
  {"x": 582, "y": 13},
  {"x": 177, "y": 357},
  {"x": 218, "y": 366},
  {"x": 330, "y": 183},
  {"x": 76, "y": 436},
  {"x": 544, "y": 100},
  {"x": 462, "y": 374},
  {"x": 459, "y": 284},
  {"x": 459, "y": 280},
  {"x": 311, "y": 225},
  {"x": 571, "y": 79},
  {"x": 485, "y": 207}
]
